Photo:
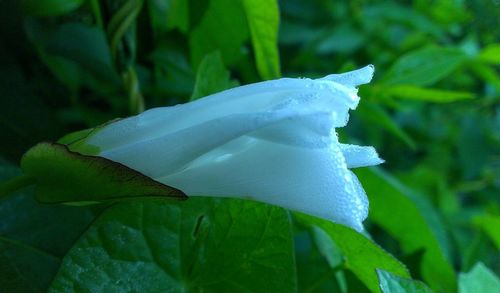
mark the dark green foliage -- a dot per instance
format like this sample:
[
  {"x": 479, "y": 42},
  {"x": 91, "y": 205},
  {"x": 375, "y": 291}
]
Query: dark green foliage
[{"x": 432, "y": 112}]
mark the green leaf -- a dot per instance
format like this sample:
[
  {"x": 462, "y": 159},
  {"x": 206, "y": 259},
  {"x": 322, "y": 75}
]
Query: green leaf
[
  {"x": 490, "y": 224},
  {"x": 362, "y": 256},
  {"x": 490, "y": 54},
  {"x": 390, "y": 283},
  {"x": 263, "y": 21},
  {"x": 224, "y": 28},
  {"x": 50, "y": 7},
  {"x": 169, "y": 14},
  {"x": 408, "y": 219},
  {"x": 425, "y": 94},
  {"x": 479, "y": 280},
  {"x": 200, "y": 245},
  {"x": 314, "y": 273},
  {"x": 424, "y": 67},
  {"x": 211, "y": 77},
  {"x": 34, "y": 237},
  {"x": 87, "y": 46},
  {"x": 374, "y": 114},
  {"x": 173, "y": 73},
  {"x": 63, "y": 176},
  {"x": 25, "y": 269}
]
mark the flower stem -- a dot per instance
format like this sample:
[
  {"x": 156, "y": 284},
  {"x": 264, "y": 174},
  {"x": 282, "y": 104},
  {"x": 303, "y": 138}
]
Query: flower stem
[{"x": 15, "y": 184}]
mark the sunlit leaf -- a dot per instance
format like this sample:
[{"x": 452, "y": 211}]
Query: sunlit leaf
[
  {"x": 263, "y": 22},
  {"x": 490, "y": 54},
  {"x": 491, "y": 226},
  {"x": 361, "y": 255},
  {"x": 426, "y": 94}
]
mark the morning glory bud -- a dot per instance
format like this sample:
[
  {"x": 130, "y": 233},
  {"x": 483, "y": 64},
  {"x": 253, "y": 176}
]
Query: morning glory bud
[{"x": 272, "y": 141}]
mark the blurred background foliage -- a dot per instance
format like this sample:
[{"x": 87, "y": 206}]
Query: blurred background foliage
[{"x": 432, "y": 111}]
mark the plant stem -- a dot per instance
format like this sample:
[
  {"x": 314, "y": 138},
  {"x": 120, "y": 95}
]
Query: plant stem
[
  {"x": 14, "y": 184},
  {"x": 136, "y": 100},
  {"x": 96, "y": 9}
]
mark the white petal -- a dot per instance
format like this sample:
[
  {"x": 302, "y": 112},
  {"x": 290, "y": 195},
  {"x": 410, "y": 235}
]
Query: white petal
[
  {"x": 169, "y": 153},
  {"x": 353, "y": 78},
  {"x": 285, "y": 93},
  {"x": 360, "y": 156},
  {"x": 314, "y": 181}
]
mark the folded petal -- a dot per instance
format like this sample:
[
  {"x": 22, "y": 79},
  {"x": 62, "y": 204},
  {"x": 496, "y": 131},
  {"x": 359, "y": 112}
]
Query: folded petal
[
  {"x": 360, "y": 156},
  {"x": 313, "y": 181},
  {"x": 353, "y": 78},
  {"x": 312, "y": 95},
  {"x": 169, "y": 153}
]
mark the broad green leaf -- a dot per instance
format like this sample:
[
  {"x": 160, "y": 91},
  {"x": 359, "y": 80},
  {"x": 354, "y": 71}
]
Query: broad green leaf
[
  {"x": 408, "y": 220},
  {"x": 211, "y": 77},
  {"x": 361, "y": 255},
  {"x": 50, "y": 7},
  {"x": 479, "y": 280},
  {"x": 425, "y": 66},
  {"x": 425, "y": 94},
  {"x": 490, "y": 224},
  {"x": 390, "y": 283},
  {"x": 34, "y": 237},
  {"x": 263, "y": 21},
  {"x": 63, "y": 176},
  {"x": 490, "y": 54},
  {"x": 200, "y": 245},
  {"x": 223, "y": 27}
]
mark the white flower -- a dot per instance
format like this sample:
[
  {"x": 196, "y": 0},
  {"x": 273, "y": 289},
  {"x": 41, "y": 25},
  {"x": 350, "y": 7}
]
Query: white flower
[{"x": 272, "y": 141}]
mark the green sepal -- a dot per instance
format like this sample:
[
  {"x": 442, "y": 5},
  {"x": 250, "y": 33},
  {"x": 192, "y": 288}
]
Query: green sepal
[{"x": 65, "y": 176}]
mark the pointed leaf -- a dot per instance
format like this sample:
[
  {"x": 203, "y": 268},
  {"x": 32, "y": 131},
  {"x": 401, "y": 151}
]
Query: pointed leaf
[
  {"x": 424, "y": 67},
  {"x": 425, "y": 94},
  {"x": 263, "y": 21},
  {"x": 408, "y": 221},
  {"x": 211, "y": 77},
  {"x": 362, "y": 256}
]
